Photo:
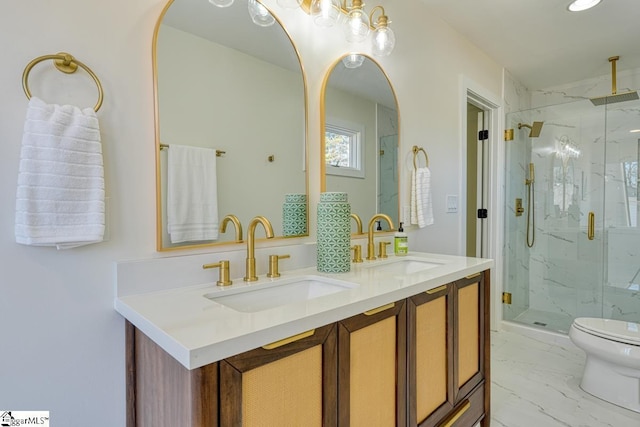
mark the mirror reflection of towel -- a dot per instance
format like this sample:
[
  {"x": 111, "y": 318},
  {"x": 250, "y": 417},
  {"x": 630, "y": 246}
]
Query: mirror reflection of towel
[
  {"x": 192, "y": 194},
  {"x": 60, "y": 194},
  {"x": 421, "y": 207}
]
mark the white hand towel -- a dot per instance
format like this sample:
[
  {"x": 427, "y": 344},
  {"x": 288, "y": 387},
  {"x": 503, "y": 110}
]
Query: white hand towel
[
  {"x": 421, "y": 206},
  {"x": 192, "y": 194},
  {"x": 60, "y": 194}
]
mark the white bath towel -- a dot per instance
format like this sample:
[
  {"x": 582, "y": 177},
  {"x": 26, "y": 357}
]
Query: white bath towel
[
  {"x": 60, "y": 194},
  {"x": 192, "y": 194},
  {"x": 421, "y": 206}
]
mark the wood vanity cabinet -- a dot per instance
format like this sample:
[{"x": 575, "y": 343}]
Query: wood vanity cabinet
[
  {"x": 448, "y": 354},
  {"x": 292, "y": 382},
  {"x": 372, "y": 368},
  {"x": 423, "y": 361},
  {"x": 288, "y": 383}
]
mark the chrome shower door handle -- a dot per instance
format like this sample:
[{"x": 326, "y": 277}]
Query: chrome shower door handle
[{"x": 591, "y": 226}]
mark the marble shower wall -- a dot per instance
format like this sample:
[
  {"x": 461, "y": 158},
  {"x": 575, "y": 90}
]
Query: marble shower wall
[
  {"x": 578, "y": 160},
  {"x": 388, "y": 183}
]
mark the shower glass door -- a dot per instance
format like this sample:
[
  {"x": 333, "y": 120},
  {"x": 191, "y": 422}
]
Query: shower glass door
[
  {"x": 621, "y": 299},
  {"x": 560, "y": 276}
]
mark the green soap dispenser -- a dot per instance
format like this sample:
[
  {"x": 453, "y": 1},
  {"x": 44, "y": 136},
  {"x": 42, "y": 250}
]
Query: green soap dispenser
[{"x": 400, "y": 242}]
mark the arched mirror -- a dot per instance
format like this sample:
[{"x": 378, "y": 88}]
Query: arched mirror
[
  {"x": 361, "y": 137},
  {"x": 226, "y": 85}
]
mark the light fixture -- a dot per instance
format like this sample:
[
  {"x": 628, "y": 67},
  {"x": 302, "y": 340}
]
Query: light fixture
[
  {"x": 325, "y": 13},
  {"x": 384, "y": 40},
  {"x": 357, "y": 25},
  {"x": 289, "y": 4},
  {"x": 221, "y": 3},
  {"x": 353, "y": 60},
  {"x": 580, "y": 5},
  {"x": 260, "y": 15}
]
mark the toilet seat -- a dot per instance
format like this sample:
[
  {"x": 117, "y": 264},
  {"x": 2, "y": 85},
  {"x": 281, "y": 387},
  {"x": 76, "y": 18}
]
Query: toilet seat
[{"x": 616, "y": 330}]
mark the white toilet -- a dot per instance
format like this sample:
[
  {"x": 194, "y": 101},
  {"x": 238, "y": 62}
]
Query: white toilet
[{"x": 612, "y": 368}]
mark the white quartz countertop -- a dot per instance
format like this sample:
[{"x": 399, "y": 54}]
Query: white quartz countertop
[{"x": 197, "y": 331}]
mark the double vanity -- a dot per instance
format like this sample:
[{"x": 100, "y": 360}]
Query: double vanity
[
  {"x": 397, "y": 341},
  {"x": 400, "y": 341}
]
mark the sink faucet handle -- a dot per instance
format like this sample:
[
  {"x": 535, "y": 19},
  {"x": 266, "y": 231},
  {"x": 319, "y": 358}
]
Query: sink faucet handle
[
  {"x": 223, "y": 276},
  {"x": 382, "y": 249},
  {"x": 273, "y": 264},
  {"x": 357, "y": 253}
]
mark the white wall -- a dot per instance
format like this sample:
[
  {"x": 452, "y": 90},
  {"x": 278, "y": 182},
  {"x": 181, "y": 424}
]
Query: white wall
[{"x": 64, "y": 348}]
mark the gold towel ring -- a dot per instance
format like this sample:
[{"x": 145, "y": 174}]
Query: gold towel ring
[
  {"x": 65, "y": 63},
  {"x": 416, "y": 150}
]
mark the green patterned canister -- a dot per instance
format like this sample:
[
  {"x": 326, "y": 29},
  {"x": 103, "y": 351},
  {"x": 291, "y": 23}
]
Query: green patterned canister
[
  {"x": 294, "y": 215},
  {"x": 334, "y": 229}
]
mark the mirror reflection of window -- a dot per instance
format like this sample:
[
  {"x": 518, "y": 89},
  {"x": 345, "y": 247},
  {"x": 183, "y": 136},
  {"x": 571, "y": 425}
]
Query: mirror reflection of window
[
  {"x": 343, "y": 149},
  {"x": 361, "y": 137}
]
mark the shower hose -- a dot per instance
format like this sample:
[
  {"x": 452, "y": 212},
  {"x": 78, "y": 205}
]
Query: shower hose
[{"x": 531, "y": 218}]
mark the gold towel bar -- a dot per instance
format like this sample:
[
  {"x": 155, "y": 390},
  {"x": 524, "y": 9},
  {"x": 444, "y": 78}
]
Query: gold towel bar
[
  {"x": 65, "y": 63},
  {"x": 416, "y": 150},
  {"x": 219, "y": 153}
]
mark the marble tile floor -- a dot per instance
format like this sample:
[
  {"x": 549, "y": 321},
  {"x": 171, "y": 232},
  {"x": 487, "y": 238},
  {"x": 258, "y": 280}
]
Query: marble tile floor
[{"x": 535, "y": 383}]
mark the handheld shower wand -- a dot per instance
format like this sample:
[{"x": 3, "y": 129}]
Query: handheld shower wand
[{"x": 531, "y": 219}]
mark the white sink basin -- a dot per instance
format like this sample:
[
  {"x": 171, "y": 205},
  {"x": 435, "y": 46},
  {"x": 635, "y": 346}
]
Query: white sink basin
[
  {"x": 263, "y": 296},
  {"x": 402, "y": 266}
]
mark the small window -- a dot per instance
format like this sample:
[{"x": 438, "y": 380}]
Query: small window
[{"x": 343, "y": 148}]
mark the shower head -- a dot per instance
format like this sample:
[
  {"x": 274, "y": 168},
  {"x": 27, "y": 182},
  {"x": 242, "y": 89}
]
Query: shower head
[
  {"x": 535, "y": 129},
  {"x": 614, "y": 97}
]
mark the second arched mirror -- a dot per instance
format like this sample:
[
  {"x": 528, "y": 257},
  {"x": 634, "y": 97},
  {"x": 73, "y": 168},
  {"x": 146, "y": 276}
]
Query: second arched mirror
[
  {"x": 227, "y": 82},
  {"x": 361, "y": 137}
]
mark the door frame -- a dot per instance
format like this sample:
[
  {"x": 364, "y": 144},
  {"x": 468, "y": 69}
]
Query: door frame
[{"x": 471, "y": 92}]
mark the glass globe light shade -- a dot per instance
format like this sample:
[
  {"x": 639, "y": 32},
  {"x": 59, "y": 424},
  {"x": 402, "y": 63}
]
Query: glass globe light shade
[
  {"x": 260, "y": 15},
  {"x": 383, "y": 41},
  {"x": 325, "y": 12},
  {"x": 353, "y": 60},
  {"x": 356, "y": 26},
  {"x": 290, "y": 4},
  {"x": 221, "y": 3}
]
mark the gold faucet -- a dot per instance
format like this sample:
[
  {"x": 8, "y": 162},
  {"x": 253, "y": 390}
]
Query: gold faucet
[
  {"x": 250, "y": 275},
  {"x": 370, "y": 248},
  {"x": 358, "y": 222},
  {"x": 236, "y": 222}
]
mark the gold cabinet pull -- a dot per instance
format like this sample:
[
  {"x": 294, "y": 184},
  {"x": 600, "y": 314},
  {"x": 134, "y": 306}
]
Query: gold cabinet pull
[
  {"x": 591, "y": 227},
  {"x": 458, "y": 414},
  {"x": 473, "y": 276},
  {"x": 379, "y": 309},
  {"x": 436, "y": 290},
  {"x": 289, "y": 340}
]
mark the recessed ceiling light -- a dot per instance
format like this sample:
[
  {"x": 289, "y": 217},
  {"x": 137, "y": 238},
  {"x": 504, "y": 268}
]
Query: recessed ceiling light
[
  {"x": 634, "y": 131},
  {"x": 580, "y": 5}
]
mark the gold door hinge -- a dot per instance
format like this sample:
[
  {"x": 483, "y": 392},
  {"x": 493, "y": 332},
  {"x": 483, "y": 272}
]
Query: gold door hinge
[{"x": 506, "y": 297}]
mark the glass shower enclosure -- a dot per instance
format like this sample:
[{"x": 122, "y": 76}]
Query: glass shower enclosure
[{"x": 573, "y": 249}]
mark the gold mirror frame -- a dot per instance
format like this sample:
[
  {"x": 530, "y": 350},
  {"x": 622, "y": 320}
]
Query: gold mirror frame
[
  {"x": 323, "y": 123},
  {"x": 160, "y": 243}
]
